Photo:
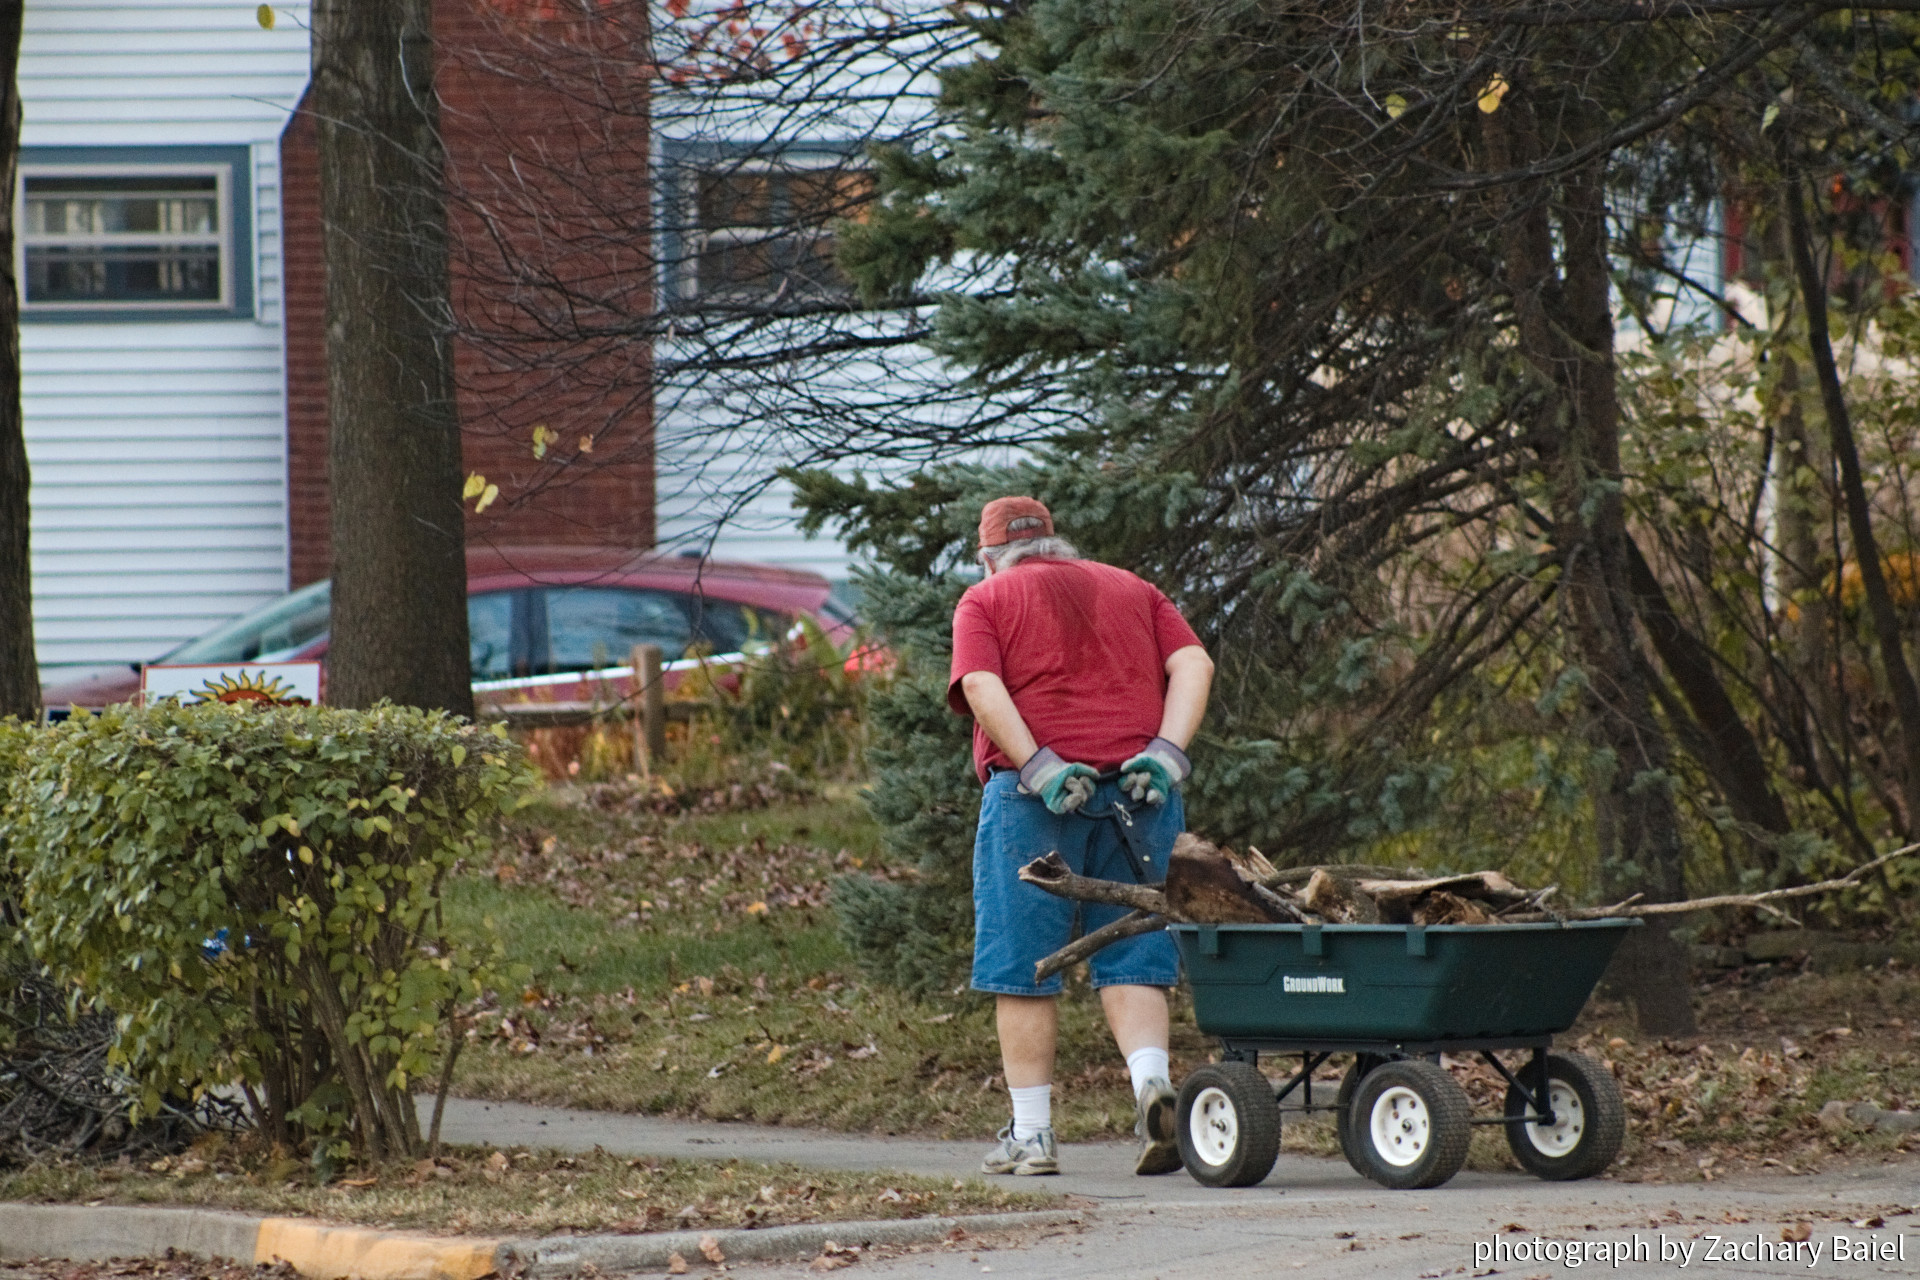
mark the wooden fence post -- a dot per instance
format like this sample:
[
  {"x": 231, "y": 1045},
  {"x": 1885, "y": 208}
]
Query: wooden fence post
[{"x": 650, "y": 708}]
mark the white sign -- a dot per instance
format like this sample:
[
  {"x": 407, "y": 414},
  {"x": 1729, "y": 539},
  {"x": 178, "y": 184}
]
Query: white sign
[{"x": 297, "y": 682}]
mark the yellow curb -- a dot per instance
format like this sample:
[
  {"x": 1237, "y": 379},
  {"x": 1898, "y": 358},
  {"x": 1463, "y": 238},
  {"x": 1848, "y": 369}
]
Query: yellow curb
[{"x": 352, "y": 1253}]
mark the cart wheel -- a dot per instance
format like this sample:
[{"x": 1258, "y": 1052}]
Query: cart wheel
[
  {"x": 1410, "y": 1124},
  {"x": 1229, "y": 1126},
  {"x": 1343, "y": 1103},
  {"x": 1589, "y": 1120}
]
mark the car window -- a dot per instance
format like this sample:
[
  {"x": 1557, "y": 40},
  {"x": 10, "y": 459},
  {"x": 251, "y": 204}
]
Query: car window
[
  {"x": 490, "y": 634},
  {"x": 591, "y": 627},
  {"x": 270, "y": 633},
  {"x": 729, "y": 627}
]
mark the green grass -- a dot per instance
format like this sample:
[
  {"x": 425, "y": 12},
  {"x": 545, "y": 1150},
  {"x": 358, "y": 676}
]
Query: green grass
[{"x": 689, "y": 965}]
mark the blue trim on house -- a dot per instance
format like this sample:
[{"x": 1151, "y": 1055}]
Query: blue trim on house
[{"x": 240, "y": 238}]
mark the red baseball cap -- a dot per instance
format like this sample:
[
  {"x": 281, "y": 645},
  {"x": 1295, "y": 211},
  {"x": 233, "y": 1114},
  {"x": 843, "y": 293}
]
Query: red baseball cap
[{"x": 1007, "y": 520}]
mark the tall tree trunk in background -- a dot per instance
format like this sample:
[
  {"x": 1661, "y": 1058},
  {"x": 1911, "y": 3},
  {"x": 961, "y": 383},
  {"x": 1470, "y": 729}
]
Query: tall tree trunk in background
[
  {"x": 1565, "y": 328},
  {"x": 1643, "y": 851},
  {"x": 399, "y": 562},
  {"x": 19, "y": 671},
  {"x": 1853, "y": 494}
]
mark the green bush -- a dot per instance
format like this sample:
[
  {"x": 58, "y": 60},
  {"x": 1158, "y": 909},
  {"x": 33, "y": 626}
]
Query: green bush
[{"x": 256, "y": 895}]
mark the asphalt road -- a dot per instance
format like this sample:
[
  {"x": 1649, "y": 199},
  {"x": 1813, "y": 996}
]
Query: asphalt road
[{"x": 1315, "y": 1217}]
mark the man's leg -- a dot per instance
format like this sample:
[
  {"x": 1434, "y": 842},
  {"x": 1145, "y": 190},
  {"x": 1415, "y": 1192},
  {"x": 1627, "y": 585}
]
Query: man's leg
[
  {"x": 1138, "y": 1016},
  {"x": 1015, "y": 925},
  {"x": 1029, "y": 1027}
]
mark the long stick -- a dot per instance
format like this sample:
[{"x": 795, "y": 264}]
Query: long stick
[
  {"x": 1629, "y": 908},
  {"x": 1050, "y": 873},
  {"x": 1128, "y": 926}
]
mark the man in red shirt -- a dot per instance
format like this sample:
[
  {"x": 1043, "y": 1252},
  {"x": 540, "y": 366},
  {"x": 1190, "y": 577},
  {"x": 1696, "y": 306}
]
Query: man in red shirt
[{"x": 1085, "y": 685}]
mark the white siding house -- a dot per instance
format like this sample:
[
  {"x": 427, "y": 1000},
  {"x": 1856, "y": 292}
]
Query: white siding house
[{"x": 156, "y": 429}]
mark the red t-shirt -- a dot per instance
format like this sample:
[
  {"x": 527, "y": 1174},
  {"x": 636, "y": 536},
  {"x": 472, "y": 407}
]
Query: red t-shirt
[{"x": 1081, "y": 646}]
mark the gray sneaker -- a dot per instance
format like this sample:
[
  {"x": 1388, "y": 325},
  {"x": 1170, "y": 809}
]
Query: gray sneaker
[
  {"x": 1158, "y": 1108},
  {"x": 1033, "y": 1156}
]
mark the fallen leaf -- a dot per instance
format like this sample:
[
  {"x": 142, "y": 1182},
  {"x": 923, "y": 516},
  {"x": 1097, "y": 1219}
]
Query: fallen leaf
[
  {"x": 676, "y": 1265},
  {"x": 498, "y": 1162},
  {"x": 359, "y": 1182},
  {"x": 1491, "y": 96},
  {"x": 756, "y": 908},
  {"x": 264, "y": 16},
  {"x": 1797, "y": 1233},
  {"x": 1396, "y": 106},
  {"x": 776, "y": 1053},
  {"x": 889, "y": 1196},
  {"x": 711, "y": 1251}
]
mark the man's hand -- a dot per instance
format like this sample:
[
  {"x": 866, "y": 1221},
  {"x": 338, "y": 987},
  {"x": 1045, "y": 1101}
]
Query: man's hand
[
  {"x": 1154, "y": 773},
  {"x": 1061, "y": 786}
]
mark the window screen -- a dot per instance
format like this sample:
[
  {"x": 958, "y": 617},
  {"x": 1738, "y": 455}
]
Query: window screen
[
  {"x": 764, "y": 235},
  {"x": 125, "y": 240}
]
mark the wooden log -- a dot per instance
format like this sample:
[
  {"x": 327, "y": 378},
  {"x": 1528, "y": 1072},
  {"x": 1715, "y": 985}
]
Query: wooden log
[
  {"x": 1337, "y": 901},
  {"x": 1345, "y": 870},
  {"x": 1203, "y": 884},
  {"x": 1442, "y": 907},
  {"x": 1050, "y": 872},
  {"x": 1127, "y": 926},
  {"x": 1488, "y": 886}
]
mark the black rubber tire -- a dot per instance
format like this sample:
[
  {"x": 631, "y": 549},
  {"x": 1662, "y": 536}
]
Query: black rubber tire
[
  {"x": 1584, "y": 1141},
  {"x": 1436, "y": 1126},
  {"x": 1236, "y": 1102},
  {"x": 1343, "y": 1103}
]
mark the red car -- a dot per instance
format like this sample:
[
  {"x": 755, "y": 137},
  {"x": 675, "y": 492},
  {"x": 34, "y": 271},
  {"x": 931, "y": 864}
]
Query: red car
[{"x": 532, "y": 611}]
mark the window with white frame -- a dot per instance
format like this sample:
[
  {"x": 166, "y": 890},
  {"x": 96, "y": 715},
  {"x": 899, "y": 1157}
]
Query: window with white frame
[
  {"x": 109, "y": 236},
  {"x": 763, "y": 232}
]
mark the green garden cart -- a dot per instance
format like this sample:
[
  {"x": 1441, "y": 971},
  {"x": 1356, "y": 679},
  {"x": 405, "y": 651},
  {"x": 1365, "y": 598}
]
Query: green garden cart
[{"x": 1396, "y": 997}]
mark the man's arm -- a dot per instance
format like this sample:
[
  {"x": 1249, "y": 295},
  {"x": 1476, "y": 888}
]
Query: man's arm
[
  {"x": 993, "y": 707},
  {"x": 1189, "y": 680}
]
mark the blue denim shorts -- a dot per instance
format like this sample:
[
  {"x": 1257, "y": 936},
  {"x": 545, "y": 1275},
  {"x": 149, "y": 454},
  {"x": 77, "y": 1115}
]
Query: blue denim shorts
[{"x": 1016, "y": 925}]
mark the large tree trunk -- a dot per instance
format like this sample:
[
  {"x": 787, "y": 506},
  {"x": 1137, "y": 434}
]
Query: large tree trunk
[
  {"x": 1564, "y": 320},
  {"x": 19, "y": 672},
  {"x": 399, "y": 563},
  {"x": 1730, "y": 752},
  {"x": 1853, "y": 493}
]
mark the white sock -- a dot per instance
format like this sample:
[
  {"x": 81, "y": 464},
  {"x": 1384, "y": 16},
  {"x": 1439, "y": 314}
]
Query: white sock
[
  {"x": 1032, "y": 1110},
  {"x": 1145, "y": 1064}
]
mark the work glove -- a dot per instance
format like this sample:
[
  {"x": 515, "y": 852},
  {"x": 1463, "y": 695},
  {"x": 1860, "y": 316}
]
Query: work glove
[
  {"x": 1061, "y": 786},
  {"x": 1154, "y": 773}
]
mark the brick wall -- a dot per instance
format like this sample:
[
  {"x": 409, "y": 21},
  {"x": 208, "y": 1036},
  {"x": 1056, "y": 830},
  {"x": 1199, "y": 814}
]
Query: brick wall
[
  {"x": 304, "y": 319},
  {"x": 549, "y": 212}
]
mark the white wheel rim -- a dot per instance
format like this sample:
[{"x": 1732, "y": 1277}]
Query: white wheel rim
[
  {"x": 1568, "y": 1127},
  {"x": 1401, "y": 1126},
  {"x": 1214, "y": 1126}
]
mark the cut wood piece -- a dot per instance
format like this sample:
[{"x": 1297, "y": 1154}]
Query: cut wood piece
[
  {"x": 1203, "y": 884},
  {"x": 1283, "y": 907},
  {"x": 1127, "y": 926},
  {"x": 1344, "y": 870},
  {"x": 1488, "y": 886},
  {"x": 1050, "y": 872},
  {"x": 1442, "y": 907},
  {"x": 1338, "y": 901},
  {"x": 1253, "y": 866}
]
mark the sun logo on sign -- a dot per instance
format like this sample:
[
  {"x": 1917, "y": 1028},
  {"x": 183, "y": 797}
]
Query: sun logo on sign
[{"x": 260, "y": 688}]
